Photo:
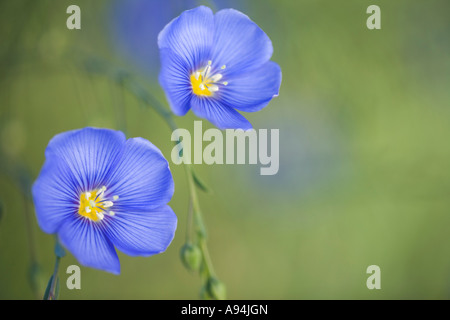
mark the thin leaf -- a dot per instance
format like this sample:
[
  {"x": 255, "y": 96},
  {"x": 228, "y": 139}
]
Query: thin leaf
[{"x": 199, "y": 183}]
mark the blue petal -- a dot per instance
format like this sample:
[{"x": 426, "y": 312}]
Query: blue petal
[
  {"x": 254, "y": 90},
  {"x": 141, "y": 178},
  {"x": 174, "y": 79},
  {"x": 221, "y": 116},
  {"x": 142, "y": 233},
  {"x": 239, "y": 43},
  {"x": 54, "y": 195},
  {"x": 89, "y": 153},
  {"x": 87, "y": 242},
  {"x": 190, "y": 36}
]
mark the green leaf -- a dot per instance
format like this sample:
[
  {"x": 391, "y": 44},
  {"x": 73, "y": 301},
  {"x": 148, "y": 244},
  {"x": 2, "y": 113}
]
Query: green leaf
[
  {"x": 47, "y": 290},
  {"x": 199, "y": 183}
]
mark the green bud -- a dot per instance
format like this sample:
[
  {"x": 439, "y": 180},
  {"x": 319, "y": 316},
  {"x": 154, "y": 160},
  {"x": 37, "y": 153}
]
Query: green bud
[
  {"x": 59, "y": 250},
  {"x": 191, "y": 256},
  {"x": 204, "y": 295},
  {"x": 216, "y": 289}
]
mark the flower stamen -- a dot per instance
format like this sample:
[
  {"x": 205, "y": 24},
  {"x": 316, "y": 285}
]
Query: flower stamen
[
  {"x": 204, "y": 82},
  {"x": 94, "y": 206}
]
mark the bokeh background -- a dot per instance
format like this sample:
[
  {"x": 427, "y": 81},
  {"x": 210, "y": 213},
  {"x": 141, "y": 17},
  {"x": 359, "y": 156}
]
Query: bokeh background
[{"x": 364, "y": 148}]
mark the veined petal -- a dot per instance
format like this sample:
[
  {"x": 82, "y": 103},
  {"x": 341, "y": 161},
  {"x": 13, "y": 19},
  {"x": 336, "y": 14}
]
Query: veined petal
[
  {"x": 175, "y": 80},
  {"x": 88, "y": 152},
  {"x": 142, "y": 233},
  {"x": 254, "y": 90},
  {"x": 87, "y": 242},
  {"x": 239, "y": 43},
  {"x": 190, "y": 36},
  {"x": 141, "y": 178},
  {"x": 55, "y": 195},
  {"x": 221, "y": 116}
]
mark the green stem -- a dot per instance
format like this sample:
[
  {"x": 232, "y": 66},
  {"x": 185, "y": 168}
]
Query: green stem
[
  {"x": 52, "y": 295},
  {"x": 189, "y": 223},
  {"x": 197, "y": 215},
  {"x": 124, "y": 80}
]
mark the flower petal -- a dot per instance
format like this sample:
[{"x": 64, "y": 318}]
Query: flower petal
[
  {"x": 54, "y": 194},
  {"x": 142, "y": 233},
  {"x": 87, "y": 242},
  {"x": 174, "y": 79},
  {"x": 254, "y": 90},
  {"x": 221, "y": 116},
  {"x": 88, "y": 152},
  {"x": 190, "y": 36},
  {"x": 239, "y": 43},
  {"x": 141, "y": 178}
]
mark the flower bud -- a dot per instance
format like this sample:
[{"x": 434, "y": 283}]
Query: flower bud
[
  {"x": 204, "y": 295},
  {"x": 191, "y": 256},
  {"x": 216, "y": 289}
]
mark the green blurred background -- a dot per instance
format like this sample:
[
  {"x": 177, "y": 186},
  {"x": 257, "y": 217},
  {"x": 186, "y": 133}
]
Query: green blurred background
[{"x": 364, "y": 152}]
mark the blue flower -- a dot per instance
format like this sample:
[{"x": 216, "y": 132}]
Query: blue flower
[
  {"x": 217, "y": 64},
  {"x": 134, "y": 26},
  {"x": 99, "y": 191}
]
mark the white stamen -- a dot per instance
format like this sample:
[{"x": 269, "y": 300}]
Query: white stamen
[
  {"x": 92, "y": 203},
  {"x": 100, "y": 215},
  {"x": 216, "y": 77},
  {"x": 213, "y": 88},
  {"x": 88, "y": 195},
  {"x": 88, "y": 209},
  {"x": 115, "y": 198},
  {"x": 112, "y": 213},
  {"x": 225, "y": 83},
  {"x": 108, "y": 204},
  {"x": 208, "y": 80}
]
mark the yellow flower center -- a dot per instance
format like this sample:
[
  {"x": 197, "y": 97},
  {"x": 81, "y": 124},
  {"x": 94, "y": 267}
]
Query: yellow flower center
[
  {"x": 94, "y": 206},
  {"x": 204, "y": 83}
]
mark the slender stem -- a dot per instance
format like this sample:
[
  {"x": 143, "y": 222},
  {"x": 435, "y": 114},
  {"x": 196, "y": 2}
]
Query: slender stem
[
  {"x": 195, "y": 218},
  {"x": 120, "y": 110},
  {"x": 197, "y": 215},
  {"x": 51, "y": 295},
  {"x": 189, "y": 223}
]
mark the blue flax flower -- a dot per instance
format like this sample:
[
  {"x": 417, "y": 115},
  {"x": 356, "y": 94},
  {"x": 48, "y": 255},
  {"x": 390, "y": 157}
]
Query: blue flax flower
[
  {"x": 217, "y": 64},
  {"x": 99, "y": 191}
]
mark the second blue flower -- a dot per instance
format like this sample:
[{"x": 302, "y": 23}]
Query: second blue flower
[{"x": 217, "y": 65}]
